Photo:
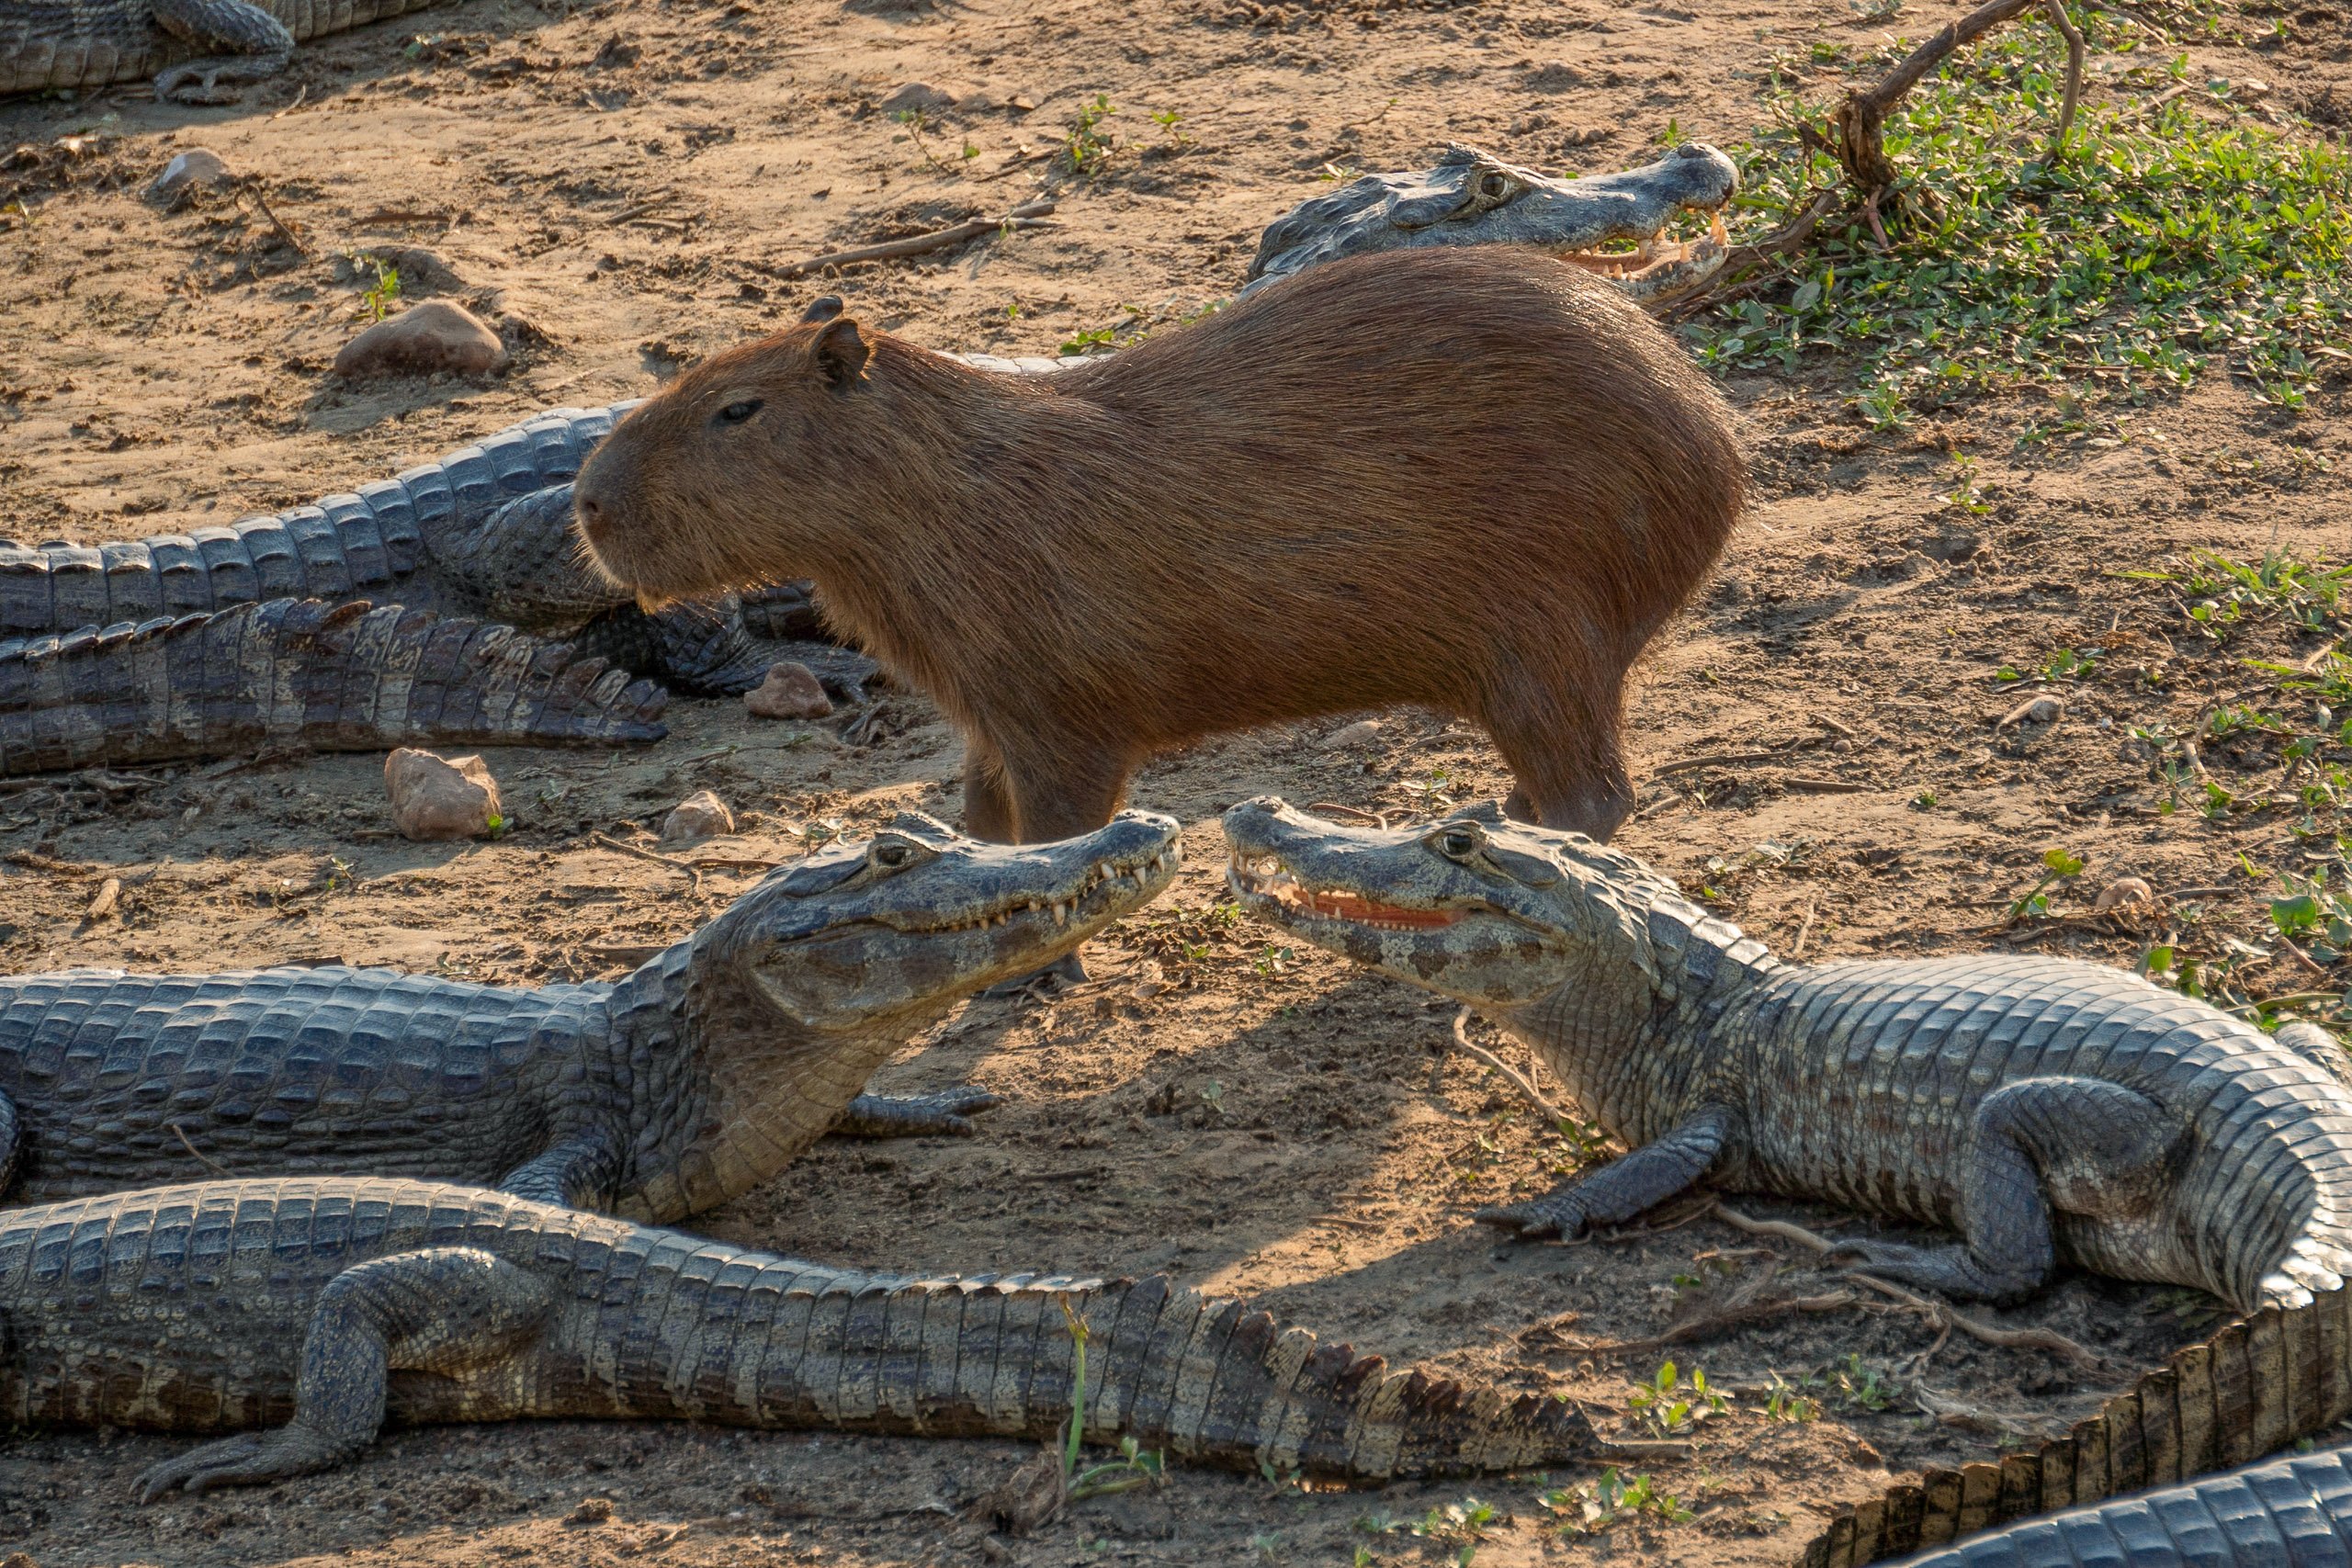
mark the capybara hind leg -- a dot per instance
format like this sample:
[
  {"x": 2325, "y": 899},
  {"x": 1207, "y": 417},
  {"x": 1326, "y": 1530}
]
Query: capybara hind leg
[
  {"x": 1565, "y": 755},
  {"x": 987, "y": 802}
]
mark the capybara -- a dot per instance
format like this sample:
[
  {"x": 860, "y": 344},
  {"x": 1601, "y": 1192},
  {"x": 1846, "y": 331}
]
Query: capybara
[{"x": 1474, "y": 479}]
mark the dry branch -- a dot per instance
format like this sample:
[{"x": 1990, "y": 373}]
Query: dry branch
[{"x": 1028, "y": 215}]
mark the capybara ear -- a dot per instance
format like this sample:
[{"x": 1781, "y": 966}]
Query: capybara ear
[
  {"x": 825, "y": 307},
  {"x": 840, "y": 352}
]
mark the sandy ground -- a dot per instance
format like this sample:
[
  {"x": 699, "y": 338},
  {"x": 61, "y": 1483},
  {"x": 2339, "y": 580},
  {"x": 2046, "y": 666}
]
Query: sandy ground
[{"x": 616, "y": 186}]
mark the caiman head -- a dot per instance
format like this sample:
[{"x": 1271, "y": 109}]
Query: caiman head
[
  {"x": 1492, "y": 912},
  {"x": 1474, "y": 198},
  {"x": 919, "y": 916}
]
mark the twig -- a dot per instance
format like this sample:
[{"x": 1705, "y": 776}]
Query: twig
[
  {"x": 2065, "y": 25},
  {"x": 640, "y": 210},
  {"x": 1722, "y": 760},
  {"x": 1518, "y": 1079},
  {"x": 2291, "y": 998},
  {"x": 1858, "y": 125},
  {"x": 1375, "y": 818},
  {"x": 199, "y": 1153},
  {"x": 686, "y": 868},
  {"x": 1028, "y": 215},
  {"x": 1796, "y": 949},
  {"x": 275, "y": 222},
  {"x": 1804, "y": 785},
  {"x": 1698, "y": 1327},
  {"x": 2007, "y": 1338},
  {"x": 2303, "y": 958},
  {"x": 1349, "y": 1221}
]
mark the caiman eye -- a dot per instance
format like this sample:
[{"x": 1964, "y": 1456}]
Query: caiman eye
[
  {"x": 736, "y": 413},
  {"x": 1459, "y": 843},
  {"x": 1494, "y": 187},
  {"x": 890, "y": 856}
]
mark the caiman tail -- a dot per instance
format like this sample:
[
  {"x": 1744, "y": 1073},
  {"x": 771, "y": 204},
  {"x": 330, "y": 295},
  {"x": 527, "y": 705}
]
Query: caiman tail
[
  {"x": 783, "y": 1344},
  {"x": 300, "y": 675}
]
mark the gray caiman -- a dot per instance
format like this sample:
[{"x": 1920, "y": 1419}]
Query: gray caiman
[
  {"x": 52, "y": 45},
  {"x": 2043, "y": 1108},
  {"x": 692, "y": 1081},
  {"x": 321, "y": 1307}
]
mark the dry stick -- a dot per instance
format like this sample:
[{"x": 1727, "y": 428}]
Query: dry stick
[
  {"x": 1722, "y": 760},
  {"x": 1375, "y": 818},
  {"x": 1518, "y": 1079},
  {"x": 1028, "y": 215},
  {"x": 1796, "y": 950},
  {"x": 2065, "y": 25},
  {"x": 2009, "y": 1339},
  {"x": 685, "y": 867},
  {"x": 191, "y": 1148},
  {"x": 275, "y": 222},
  {"x": 1698, "y": 1326}
]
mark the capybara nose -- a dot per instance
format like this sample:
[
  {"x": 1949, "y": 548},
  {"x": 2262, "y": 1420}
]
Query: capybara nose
[{"x": 591, "y": 514}]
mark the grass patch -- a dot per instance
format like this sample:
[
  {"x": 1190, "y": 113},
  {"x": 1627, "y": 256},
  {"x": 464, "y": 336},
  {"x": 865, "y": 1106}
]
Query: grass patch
[{"x": 2171, "y": 233}]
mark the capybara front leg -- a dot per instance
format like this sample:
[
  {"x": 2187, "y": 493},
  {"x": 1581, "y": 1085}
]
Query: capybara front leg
[
  {"x": 987, "y": 800},
  {"x": 1063, "y": 792},
  {"x": 1565, "y": 750}
]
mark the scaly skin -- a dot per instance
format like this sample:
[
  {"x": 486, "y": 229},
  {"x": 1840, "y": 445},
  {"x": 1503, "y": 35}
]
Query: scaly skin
[
  {"x": 694, "y": 1079},
  {"x": 2045, "y": 1108},
  {"x": 330, "y": 1306},
  {"x": 300, "y": 675},
  {"x": 1474, "y": 198},
  {"x": 50, "y": 44}
]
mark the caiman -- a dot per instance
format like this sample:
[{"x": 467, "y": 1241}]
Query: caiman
[
  {"x": 53, "y": 45},
  {"x": 2045, "y": 1108},
  {"x": 692, "y": 1081},
  {"x": 322, "y": 1307}
]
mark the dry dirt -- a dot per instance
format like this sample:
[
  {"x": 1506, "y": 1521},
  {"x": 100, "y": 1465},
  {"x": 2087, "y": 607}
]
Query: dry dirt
[{"x": 616, "y": 186}]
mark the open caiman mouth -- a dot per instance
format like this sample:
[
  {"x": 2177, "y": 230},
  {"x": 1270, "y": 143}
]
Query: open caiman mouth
[
  {"x": 1103, "y": 882},
  {"x": 1661, "y": 264},
  {"x": 1266, "y": 876}
]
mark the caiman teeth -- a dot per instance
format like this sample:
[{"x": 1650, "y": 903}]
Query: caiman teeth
[{"x": 1267, "y": 876}]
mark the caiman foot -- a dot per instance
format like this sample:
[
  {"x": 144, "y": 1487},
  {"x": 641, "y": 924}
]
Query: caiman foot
[
  {"x": 1539, "y": 1219},
  {"x": 1069, "y": 971},
  {"x": 943, "y": 1115},
  {"x": 245, "y": 1459},
  {"x": 1951, "y": 1270}
]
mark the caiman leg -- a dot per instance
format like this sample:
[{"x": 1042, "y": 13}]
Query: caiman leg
[
  {"x": 579, "y": 1173},
  {"x": 449, "y": 1310},
  {"x": 913, "y": 1115},
  {"x": 2093, "y": 1148},
  {"x": 1624, "y": 1187},
  {"x": 259, "y": 44}
]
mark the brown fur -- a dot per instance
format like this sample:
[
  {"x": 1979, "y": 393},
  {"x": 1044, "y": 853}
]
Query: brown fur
[{"x": 1470, "y": 478}]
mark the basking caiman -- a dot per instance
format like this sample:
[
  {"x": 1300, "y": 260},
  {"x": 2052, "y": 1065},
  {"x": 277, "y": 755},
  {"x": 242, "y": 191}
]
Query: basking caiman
[
  {"x": 1473, "y": 197},
  {"x": 696, "y": 1078},
  {"x": 2043, "y": 1108},
  {"x": 332, "y": 1304},
  {"x": 46, "y": 45}
]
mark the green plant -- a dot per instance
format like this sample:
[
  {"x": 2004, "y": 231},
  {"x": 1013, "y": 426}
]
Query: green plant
[
  {"x": 1132, "y": 1468},
  {"x": 2057, "y": 866},
  {"x": 1860, "y": 1387},
  {"x": 1594, "y": 1508},
  {"x": 381, "y": 294},
  {"x": 1089, "y": 146},
  {"x": 1668, "y": 1407},
  {"x": 1168, "y": 121},
  {"x": 1784, "y": 1403},
  {"x": 916, "y": 125},
  {"x": 2166, "y": 236}
]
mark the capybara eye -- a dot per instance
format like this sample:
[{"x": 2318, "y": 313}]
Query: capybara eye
[{"x": 736, "y": 413}]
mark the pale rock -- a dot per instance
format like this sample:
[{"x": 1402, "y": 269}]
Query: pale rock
[
  {"x": 436, "y": 799},
  {"x": 2044, "y": 709},
  {"x": 2123, "y": 890},
  {"x": 791, "y": 691},
  {"x": 434, "y": 337},
  {"x": 1356, "y": 734},
  {"x": 700, "y": 816},
  {"x": 197, "y": 168}
]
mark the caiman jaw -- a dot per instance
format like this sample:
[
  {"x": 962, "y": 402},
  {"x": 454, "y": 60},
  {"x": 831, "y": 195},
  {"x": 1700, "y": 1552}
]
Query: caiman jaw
[
  {"x": 1096, "y": 887},
  {"x": 1265, "y": 878}
]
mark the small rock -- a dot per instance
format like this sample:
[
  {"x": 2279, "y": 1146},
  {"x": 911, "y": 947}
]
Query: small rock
[
  {"x": 1356, "y": 734},
  {"x": 435, "y": 798},
  {"x": 592, "y": 1511},
  {"x": 2043, "y": 709},
  {"x": 19, "y": 1560},
  {"x": 791, "y": 691},
  {"x": 1861, "y": 1453},
  {"x": 2121, "y": 891},
  {"x": 919, "y": 97},
  {"x": 700, "y": 816},
  {"x": 1557, "y": 76},
  {"x": 435, "y": 335},
  {"x": 107, "y": 902},
  {"x": 1952, "y": 547},
  {"x": 198, "y": 168}
]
